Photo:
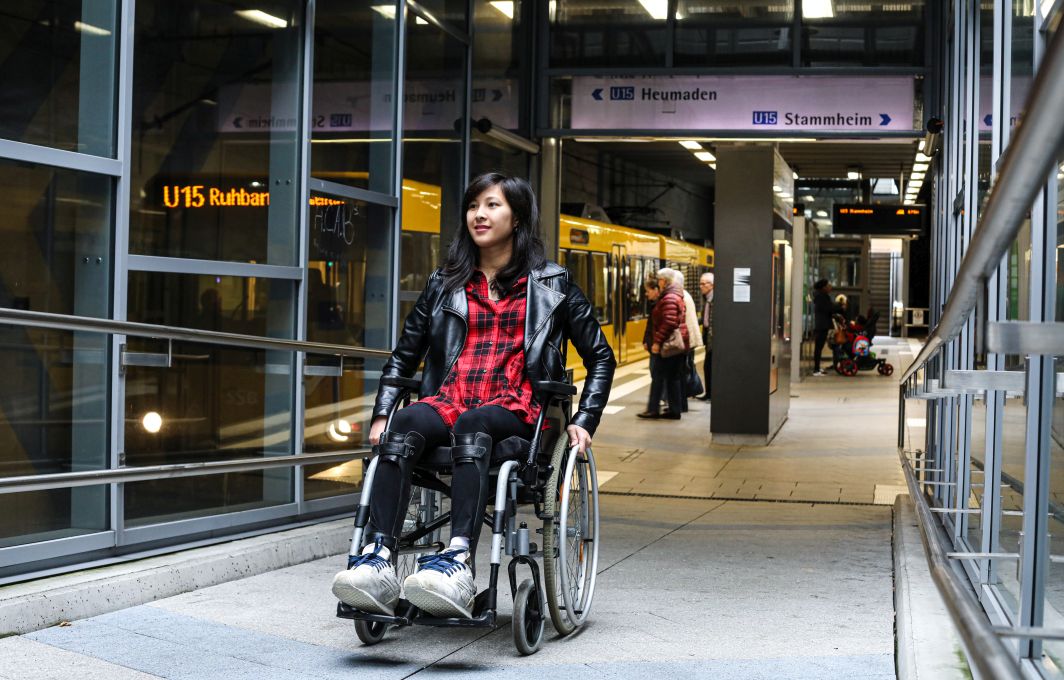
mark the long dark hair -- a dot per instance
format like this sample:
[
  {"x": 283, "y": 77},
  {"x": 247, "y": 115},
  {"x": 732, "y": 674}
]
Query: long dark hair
[{"x": 527, "y": 252}]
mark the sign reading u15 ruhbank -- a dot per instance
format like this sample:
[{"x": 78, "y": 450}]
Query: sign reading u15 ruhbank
[{"x": 749, "y": 103}]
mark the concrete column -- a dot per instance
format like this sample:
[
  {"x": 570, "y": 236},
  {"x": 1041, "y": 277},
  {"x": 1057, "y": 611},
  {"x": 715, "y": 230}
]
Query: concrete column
[{"x": 748, "y": 361}]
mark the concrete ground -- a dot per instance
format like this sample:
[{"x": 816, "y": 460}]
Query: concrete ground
[{"x": 716, "y": 562}]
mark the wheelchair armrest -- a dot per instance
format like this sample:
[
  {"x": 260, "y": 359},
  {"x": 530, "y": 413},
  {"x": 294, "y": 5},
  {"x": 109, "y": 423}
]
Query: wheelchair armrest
[
  {"x": 411, "y": 384},
  {"x": 554, "y": 389}
]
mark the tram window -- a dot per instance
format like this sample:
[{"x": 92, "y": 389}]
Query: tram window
[
  {"x": 600, "y": 301},
  {"x": 635, "y": 293}
]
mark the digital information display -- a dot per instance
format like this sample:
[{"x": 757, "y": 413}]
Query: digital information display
[{"x": 878, "y": 220}]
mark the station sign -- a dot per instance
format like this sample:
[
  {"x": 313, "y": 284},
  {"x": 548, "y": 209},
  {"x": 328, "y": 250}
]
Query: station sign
[
  {"x": 778, "y": 104},
  {"x": 878, "y": 220}
]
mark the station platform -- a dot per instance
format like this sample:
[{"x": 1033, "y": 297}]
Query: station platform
[{"x": 716, "y": 562}]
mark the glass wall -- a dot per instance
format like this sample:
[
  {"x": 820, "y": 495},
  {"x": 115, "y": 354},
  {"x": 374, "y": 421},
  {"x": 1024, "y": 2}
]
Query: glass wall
[
  {"x": 634, "y": 34},
  {"x": 734, "y": 33},
  {"x": 239, "y": 174},
  {"x": 57, "y": 74},
  {"x": 995, "y": 452}
]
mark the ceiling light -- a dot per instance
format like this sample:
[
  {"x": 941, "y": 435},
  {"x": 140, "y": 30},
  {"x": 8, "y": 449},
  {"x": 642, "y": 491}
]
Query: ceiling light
[
  {"x": 90, "y": 29},
  {"x": 785, "y": 194},
  {"x": 853, "y": 174},
  {"x": 817, "y": 9},
  {"x": 657, "y": 9},
  {"x": 909, "y": 201},
  {"x": 420, "y": 22},
  {"x": 777, "y": 188},
  {"x": 794, "y": 175},
  {"x": 922, "y": 157},
  {"x": 504, "y": 6},
  {"x": 705, "y": 156},
  {"x": 916, "y": 185},
  {"x": 920, "y": 167},
  {"x": 821, "y": 213},
  {"x": 921, "y": 147},
  {"x": 386, "y": 11},
  {"x": 691, "y": 145},
  {"x": 917, "y": 175},
  {"x": 260, "y": 17},
  {"x": 1046, "y": 6},
  {"x": 712, "y": 165}
]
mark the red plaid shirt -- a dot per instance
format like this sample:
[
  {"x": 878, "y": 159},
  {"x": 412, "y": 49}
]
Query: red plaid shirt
[{"x": 490, "y": 371}]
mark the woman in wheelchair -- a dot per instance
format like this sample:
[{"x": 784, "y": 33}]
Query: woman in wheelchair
[{"x": 493, "y": 321}]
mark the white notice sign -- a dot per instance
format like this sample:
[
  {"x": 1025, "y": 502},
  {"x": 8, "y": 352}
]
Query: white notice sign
[
  {"x": 741, "y": 285},
  {"x": 754, "y": 103}
]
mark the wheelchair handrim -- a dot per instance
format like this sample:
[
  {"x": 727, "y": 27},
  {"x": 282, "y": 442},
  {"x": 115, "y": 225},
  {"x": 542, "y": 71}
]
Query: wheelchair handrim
[{"x": 586, "y": 582}]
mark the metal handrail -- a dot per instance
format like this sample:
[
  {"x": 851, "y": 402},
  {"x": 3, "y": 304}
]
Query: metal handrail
[
  {"x": 67, "y": 322},
  {"x": 66, "y": 480},
  {"x": 1036, "y": 144},
  {"x": 986, "y": 651},
  {"x": 152, "y": 472}
]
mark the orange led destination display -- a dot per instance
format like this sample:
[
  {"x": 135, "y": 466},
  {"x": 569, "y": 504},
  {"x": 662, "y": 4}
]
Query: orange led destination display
[
  {"x": 202, "y": 196},
  {"x": 878, "y": 220}
]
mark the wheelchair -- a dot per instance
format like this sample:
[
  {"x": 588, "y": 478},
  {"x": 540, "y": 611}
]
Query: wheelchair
[{"x": 560, "y": 485}]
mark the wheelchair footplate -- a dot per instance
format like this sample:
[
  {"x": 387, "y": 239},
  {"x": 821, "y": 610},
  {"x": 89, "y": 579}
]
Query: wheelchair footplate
[{"x": 407, "y": 614}]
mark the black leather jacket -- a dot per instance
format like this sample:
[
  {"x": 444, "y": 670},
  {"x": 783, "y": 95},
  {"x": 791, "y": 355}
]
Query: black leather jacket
[{"x": 557, "y": 311}]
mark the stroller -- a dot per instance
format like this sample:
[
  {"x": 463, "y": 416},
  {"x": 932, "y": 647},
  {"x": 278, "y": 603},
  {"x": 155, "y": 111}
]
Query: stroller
[{"x": 852, "y": 346}]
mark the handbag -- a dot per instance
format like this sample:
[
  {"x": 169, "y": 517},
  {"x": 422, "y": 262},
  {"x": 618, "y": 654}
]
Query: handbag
[
  {"x": 693, "y": 386},
  {"x": 674, "y": 344}
]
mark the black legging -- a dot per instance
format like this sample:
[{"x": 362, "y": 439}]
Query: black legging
[
  {"x": 819, "y": 338},
  {"x": 391, "y": 490}
]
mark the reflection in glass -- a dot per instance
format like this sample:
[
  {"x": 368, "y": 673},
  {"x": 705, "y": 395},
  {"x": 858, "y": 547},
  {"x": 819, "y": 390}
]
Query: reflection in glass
[
  {"x": 216, "y": 113},
  {"x": 1013, "y": 449},
  {"x": 432, "y": 155},
  {"x": 353, "y": 110},
  {"x": 57, "y": 74},
  {"x": 55, "y": 227},
  {"x": 877, "y": 33},
  {"x": 725, "y": 33},
  {"x": 213, "y": 403},
  {"x": 349, "y": 256},
  {"x": 338, "y": 417},
  {"x": 615, "y": 33},
  {"x": 232, "y": 304},
  {"x": 497, "y": 63},
  {"x": 1054, "y": 616}
]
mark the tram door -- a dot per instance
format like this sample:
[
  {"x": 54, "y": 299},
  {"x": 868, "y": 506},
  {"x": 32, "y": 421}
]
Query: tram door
[{"x": 619, "y": 276}]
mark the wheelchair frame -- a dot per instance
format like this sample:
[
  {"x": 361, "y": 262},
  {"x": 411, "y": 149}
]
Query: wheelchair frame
[{"x": 564, "y": 495}]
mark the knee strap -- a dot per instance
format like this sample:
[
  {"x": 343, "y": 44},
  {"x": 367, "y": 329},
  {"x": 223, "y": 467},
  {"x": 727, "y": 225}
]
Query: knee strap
[
  {"x": 471, "y": 448},
  {"x": 398, "y": 448}
]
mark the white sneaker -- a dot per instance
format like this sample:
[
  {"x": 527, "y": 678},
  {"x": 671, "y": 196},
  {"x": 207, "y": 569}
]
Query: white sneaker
[
  {"x": 443, "y": 585},
  {"x": 369, "y": 583},
  {"x": 819, "y": 373}
]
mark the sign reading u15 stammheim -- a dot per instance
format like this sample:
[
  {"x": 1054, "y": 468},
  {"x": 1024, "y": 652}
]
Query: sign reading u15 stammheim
[{"x": 748, "y": 103}]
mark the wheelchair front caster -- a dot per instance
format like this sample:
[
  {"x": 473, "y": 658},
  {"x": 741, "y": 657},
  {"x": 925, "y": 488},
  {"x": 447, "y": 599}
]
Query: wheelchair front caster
[
  {"x": 528, "y": 621},
  {"x": 370, "y": 632}
]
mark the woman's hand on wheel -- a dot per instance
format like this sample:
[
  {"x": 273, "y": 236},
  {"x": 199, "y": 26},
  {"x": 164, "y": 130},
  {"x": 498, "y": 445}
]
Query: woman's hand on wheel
[
  {"x": 376, "y": 429},
  {"x": 579, "y": 437}
]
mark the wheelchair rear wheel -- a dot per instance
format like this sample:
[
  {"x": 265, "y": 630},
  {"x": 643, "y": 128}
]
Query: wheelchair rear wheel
[{"x": 570, "y": 537}]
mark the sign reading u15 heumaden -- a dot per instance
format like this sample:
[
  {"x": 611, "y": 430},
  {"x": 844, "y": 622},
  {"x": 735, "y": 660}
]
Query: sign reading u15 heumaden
[{"x": 748, "y": 103}]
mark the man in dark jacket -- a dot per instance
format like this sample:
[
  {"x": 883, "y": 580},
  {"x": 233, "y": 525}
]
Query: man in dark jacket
[{"x": 822, "y": 308}]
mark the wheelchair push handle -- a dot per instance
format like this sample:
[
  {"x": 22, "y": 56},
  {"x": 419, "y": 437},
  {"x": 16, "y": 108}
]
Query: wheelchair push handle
[
  {"x": 553, "y": 390},
  {"x": 411, "y": 384}
]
